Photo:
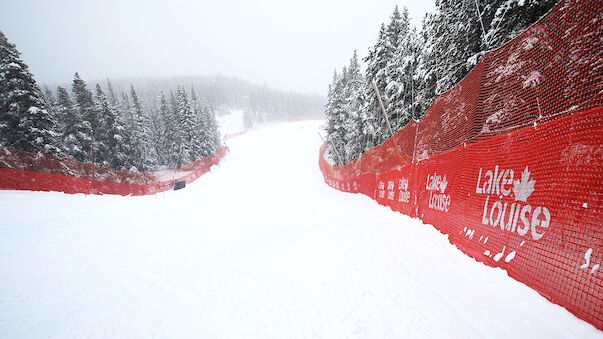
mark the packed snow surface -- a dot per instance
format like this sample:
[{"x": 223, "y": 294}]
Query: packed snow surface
[{"x": 259, "y": 247}]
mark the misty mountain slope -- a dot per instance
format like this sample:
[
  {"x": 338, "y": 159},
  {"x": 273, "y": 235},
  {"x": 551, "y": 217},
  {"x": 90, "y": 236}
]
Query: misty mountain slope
[{"x": 259, "y": 247}]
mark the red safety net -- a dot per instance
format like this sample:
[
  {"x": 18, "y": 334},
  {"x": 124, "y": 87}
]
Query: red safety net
[
  {"x": 40, "y": 172},
  {"x": 509, "y": 163}
]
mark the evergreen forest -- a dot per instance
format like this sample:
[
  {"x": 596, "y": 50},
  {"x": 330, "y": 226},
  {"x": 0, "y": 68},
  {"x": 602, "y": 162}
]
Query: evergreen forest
[{"x": 409, "y": 67}]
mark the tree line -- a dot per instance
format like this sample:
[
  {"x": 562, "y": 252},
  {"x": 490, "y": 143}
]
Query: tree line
[
  {"x": 225, "y": 93},
  {"x": 409, "y": 68},
  {"x": 101, "y": 126}
]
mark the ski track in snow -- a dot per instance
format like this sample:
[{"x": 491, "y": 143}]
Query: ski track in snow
[{"x": 259, "y": 247}]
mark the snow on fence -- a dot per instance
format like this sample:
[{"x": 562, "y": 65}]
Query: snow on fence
[
  {"x": 509, "y": 163},
  {"x": 40, "y": 172}
]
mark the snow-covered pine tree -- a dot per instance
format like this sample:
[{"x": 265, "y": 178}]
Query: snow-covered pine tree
[
  {"x": 25, "y": 123},
  {"x": 91, "y": 127},
  {"x": 117, "y": 148},
  {"x": 144, "y": 153}
]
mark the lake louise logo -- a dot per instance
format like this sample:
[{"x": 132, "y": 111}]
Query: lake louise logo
[
  {"x": 436, "y": 185},
  {"x": 404, "y": 195},
  {"x": 507, "y": 215}
]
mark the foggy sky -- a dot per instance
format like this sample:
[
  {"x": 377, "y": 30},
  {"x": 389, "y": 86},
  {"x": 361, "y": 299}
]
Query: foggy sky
[{"x": 290, "y": 45}]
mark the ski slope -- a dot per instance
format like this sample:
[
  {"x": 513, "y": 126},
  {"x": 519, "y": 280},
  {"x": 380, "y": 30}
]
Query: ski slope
[{"x": 259, "y": 247}]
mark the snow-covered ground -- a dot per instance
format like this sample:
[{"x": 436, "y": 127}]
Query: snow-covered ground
[
  {"x": 259, "y": 247},
  {"x": 231, "y": 123}
]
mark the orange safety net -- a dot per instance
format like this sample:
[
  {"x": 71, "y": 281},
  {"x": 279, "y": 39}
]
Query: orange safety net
[
  {"x": 509, "y": 162},
  {"x": 40, "y": 172}
]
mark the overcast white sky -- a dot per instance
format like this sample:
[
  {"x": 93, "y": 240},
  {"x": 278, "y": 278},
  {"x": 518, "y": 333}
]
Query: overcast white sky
[{"x": 291, "y": 45}]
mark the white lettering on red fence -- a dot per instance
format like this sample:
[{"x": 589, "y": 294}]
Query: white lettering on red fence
[
  {"x": 507, "y": 215},
  {"x": 438, "y": 199},
  {"x": 390, "y": 190},
  {"x": 404, "y": 195},
  {"x": 381, "y": 189}
]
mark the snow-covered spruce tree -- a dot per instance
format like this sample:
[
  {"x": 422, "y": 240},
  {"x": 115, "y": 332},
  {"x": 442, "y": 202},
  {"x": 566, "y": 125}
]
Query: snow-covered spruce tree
[
  {"x": 402, "y": 89},
  {"x": 377, "y": 59},
  {"x": 258, "y": 117},
  {"x": 188, "y": 126},
  {"x": 354, "y": 124},
  {"x": 336, "y": 115},
  {"x": 511, "y": 17},
  {"x": 73, "y": 145},
  {"x": 111, "y": 96},
  {"x": 51, "y": 105},
  {"x": 457, "y": 38},
  {"x": 247, "y": 119},
  {"x": 330, "y": 119},
  {"x": 453, "y": 43},
  {"x": 172, "y": 144},
  {"x": 92, "y": 127},
  {"x": 144, "y": 153},
  {"x": 396, "y": 29},
  {"x": 458, "y": 34},
  {"x": 25, "y": 123},
  {"x": 400, "y": 71},
  {"x": 208, "y": 134},
  {"x": 117, "y": 147},
  {"x": 211, "y": 123},
  {"x": 125, "y": 116},
  {"x": 426, "y": 75},
  {"x": 200, "y": 129},
  {"x": 182, "y": 152},
  {"x": 157, "y": 134}
]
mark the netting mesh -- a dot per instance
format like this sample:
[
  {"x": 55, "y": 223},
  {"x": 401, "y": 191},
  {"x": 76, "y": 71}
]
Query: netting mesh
[
  {"x": 509, "y": 163},
  {"x": 551, "y": 70},
  {"x": 40, "y": 172}
]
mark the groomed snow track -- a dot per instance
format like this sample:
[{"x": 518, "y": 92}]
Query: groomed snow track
[{"x": 260, "y": 247}]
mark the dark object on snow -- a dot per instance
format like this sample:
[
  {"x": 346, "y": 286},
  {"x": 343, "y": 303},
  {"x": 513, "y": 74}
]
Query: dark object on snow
[{"x": 179, "y": 185}]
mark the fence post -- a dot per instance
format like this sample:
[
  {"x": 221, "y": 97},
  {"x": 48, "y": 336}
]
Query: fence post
[{"x": 389, "y": 128}]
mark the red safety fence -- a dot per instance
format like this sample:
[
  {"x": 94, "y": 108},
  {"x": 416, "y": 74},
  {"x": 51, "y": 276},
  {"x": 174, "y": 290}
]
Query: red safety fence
[
  {"x": 40, "y": 172},
  {"x": 509, "y": 163}
]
